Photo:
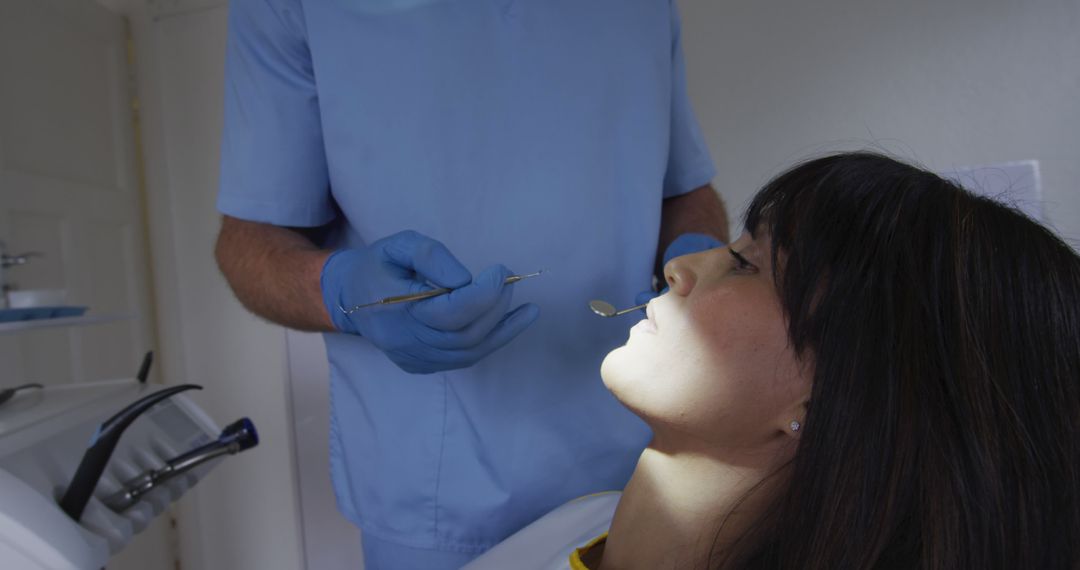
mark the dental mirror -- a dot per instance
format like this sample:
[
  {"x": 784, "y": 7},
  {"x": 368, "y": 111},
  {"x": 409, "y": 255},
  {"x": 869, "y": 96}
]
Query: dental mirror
[{"x": 605, "y": 309}]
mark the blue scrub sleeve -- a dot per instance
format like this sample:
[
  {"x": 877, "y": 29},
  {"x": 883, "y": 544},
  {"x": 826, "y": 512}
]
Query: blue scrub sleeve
[
  {"x": 689, "y": 164},
  {"x": 273, "y": 163}
]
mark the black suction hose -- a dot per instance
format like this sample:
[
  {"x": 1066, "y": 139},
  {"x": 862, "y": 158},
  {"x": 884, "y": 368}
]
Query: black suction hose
[
  {"x": 144, "y": 370},
  {"x": 101, "y": 448}
]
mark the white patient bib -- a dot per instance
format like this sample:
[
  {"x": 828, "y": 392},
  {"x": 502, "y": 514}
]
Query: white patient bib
[{"x": 546, "y": 544}]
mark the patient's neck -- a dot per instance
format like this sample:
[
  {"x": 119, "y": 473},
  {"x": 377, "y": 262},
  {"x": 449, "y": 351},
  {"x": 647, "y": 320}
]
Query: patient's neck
[{"x": 670, "y": 512}]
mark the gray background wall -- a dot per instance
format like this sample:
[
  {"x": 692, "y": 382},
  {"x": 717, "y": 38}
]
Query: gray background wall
[{"x": 949, "y": 83}]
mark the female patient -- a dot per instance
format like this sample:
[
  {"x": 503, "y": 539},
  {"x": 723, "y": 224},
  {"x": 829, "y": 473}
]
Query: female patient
[{"x": 883, "y": 371}]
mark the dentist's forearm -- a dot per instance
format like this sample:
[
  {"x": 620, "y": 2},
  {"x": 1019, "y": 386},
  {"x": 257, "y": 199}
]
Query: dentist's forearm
[
  {"x": 698, "y": 211},
  {"x": 274, "y": 272}
]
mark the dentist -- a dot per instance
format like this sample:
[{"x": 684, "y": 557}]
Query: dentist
[{"x": 379, "y": 147}]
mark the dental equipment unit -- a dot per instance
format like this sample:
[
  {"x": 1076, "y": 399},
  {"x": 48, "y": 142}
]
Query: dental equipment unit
[
  {"x": 426, "y": 294},
  {"x": 168, "y": 444},
  {"x": 102, "y": 444},
  {"x": 236, "y": 437}
]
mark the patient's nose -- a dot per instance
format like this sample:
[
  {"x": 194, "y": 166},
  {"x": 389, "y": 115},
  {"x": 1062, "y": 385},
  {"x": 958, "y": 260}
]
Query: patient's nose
[{"x": 680, "y": 275}]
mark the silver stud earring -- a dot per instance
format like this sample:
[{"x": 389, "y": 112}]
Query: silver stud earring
[{"x": 795, "y": 425}]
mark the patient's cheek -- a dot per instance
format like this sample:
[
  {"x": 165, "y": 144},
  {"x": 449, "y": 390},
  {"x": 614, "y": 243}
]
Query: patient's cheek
[
  {"x": 740, "y": 340},
  {"x": 721, "y": 322}
]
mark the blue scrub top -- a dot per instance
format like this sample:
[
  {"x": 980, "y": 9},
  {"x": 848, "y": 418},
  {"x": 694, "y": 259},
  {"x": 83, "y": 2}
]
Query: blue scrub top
[{"x": 542, "y": 134}]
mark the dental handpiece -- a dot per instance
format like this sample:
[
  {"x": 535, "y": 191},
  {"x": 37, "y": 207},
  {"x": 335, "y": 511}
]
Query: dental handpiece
[
  {"x": 101, "y": 447},
  {"x": 425, "y": 294},
  {"x": 236, "y": 437}
]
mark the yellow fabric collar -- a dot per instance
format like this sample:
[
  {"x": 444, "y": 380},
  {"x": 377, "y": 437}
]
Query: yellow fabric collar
[{"x": 576, "y": 555}]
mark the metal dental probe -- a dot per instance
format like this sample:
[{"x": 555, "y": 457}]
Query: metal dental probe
[{"x": 425, "y": 294}]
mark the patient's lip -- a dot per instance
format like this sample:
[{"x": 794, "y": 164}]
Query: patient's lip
[
  {"x": 645, "y": 326},
  {"x": 649, "y": 314}
]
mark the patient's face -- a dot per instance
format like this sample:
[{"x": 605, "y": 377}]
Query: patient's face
[{"x": 712, "y": 365}]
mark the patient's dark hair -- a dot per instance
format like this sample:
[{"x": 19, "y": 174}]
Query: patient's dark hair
[{"x": 944, "y": 328}]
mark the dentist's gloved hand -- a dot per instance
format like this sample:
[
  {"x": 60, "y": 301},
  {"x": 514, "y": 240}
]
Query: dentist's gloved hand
[
  {"x": 683, "y": 245},
  {"x": 448, "y": 332}
]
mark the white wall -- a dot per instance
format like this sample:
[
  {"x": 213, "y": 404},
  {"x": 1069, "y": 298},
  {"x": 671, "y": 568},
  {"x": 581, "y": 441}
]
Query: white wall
[{"x": 948, "y": 82}]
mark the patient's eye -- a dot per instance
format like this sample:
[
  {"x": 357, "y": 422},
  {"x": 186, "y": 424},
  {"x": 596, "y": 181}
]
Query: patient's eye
[{"x": 741, "y": 263}]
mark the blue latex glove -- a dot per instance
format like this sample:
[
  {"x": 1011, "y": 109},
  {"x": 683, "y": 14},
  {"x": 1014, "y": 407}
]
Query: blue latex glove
[
  {"x": 683, "y": 245},
  {"x": 448, "y": 332}
]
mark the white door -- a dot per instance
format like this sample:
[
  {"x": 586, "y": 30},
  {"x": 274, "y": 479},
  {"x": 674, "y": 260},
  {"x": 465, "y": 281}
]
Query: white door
[{"x": 68, "y": 187}]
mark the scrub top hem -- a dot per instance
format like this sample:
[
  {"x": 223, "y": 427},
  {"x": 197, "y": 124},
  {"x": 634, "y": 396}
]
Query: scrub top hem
[{"x": 278, "y": 213}]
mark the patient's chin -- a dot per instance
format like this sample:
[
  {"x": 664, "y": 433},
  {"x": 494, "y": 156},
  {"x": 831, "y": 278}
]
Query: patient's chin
[
  {"x": 613, "y": 365},
  {"x": 619, "y": 372}
]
